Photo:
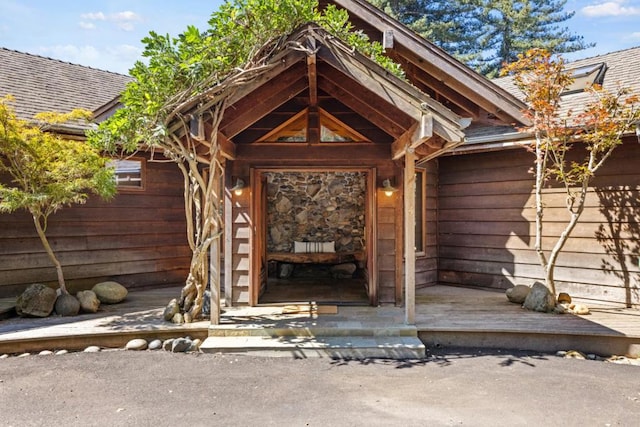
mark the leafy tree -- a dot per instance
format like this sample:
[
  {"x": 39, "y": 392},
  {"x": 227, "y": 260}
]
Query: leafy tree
[
  {"x": 599, "y": 128},
  {"x": 207, "y": 68},
  {"x": 47, "y": 172}
]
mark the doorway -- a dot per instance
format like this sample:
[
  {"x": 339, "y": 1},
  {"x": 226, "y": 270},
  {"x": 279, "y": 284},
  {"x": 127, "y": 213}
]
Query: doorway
[{"x": 313, "y": 234}]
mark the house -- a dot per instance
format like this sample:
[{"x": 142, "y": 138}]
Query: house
[
  {"x": 137, "y": 238},
  {"x": 336, "y": 162}
]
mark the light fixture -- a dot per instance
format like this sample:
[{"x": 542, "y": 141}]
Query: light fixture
[
  {"x": 638, "y": 131},
  {"x": 388, "y": 188},
  {"x": 237, "y": 189}
]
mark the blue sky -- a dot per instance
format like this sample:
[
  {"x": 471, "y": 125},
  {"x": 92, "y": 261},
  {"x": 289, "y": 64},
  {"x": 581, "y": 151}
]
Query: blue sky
[{"x": 106, "y": 34}]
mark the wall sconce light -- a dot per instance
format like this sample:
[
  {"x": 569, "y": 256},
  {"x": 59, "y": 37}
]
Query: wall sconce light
[
  {"x": 388, "y": 188},
  {"x": 638, "y": 131},
  {"x": 239, "y": 187}
]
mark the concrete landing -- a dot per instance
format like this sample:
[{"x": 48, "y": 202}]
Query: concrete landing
[{"x": 343, "y": 343}]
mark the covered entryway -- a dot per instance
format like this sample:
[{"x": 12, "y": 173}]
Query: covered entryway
[{"x": 316, "y": 228}]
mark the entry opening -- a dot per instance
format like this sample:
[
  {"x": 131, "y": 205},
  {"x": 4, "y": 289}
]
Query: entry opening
[{"x": 315, "y": 237}]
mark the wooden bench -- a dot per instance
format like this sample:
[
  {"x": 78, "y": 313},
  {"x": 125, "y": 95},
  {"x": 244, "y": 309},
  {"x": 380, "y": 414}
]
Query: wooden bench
[{"x": 317, "y": 257}]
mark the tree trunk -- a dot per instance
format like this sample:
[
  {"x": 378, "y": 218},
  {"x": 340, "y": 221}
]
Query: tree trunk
[{"x": 47, "y": 247}]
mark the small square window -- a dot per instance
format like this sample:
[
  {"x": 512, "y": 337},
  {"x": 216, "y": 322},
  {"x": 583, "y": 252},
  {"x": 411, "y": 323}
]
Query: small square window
[
  {"x": 585, "y": 76},
  {"x": 129, "y": 173}
]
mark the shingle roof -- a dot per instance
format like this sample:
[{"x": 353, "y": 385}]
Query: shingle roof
[
  {"x": 623, "y": 71},
  {"x": 44, "y": 84}
]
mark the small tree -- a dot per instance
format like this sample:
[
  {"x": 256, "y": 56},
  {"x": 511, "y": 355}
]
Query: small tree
[
  {"x": 606, "y": 118},
  {"x": 47, "y": 172}
]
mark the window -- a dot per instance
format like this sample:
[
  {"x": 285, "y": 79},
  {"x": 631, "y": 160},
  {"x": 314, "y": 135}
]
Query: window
[
  {"x": 129, "y": 173},
  {"x": 420, "y": 213},
  {"x": 296, "y": 130},
  {"x": 586, "y": 76}
]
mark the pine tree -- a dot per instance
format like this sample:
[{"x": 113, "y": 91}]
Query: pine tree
[
  {"x": 453, "y": 25},
  {"x": 485, "y": 34},
  {"x": 513, "y": 27}
]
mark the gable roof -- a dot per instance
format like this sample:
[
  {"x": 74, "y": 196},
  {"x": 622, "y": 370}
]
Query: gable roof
[
  {"x": 44, "y": 84},
  {"x": 433, "y": 70},
  {"x": 315, "y": 63}
]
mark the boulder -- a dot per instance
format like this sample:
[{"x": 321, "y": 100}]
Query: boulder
[
  {"x": 564, "y": 297},
  {"x": 167, "y": 344},
  {"x": 137, "y": 344},
  {"x": 36, "y": 301},
  {"x": 89, "y": 302},
  {"x": 67, "y": 305},
  {"x": 155, "y": 345},
  {"x": 180, "y": 345},
  {"x": 343, "y": 271},
  {"x": 92, "y": 349},
  {"x": 518, "y": 293},
  {"x": 171, "y": 310},
  {"x": 286, "y": 271},
  {"x": 110, "y": 292},
  {"x": 178, "y": 319},
  {"x": 539, "y": 299}
]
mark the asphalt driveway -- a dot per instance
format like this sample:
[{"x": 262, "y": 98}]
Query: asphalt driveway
[{"x": 452, "y": 387}]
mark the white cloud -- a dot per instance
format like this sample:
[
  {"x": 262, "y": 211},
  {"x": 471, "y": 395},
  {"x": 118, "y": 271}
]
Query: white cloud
[
  {"x": 610, "y": 8},
  {"x": 635, "y": 36},
  {"x": 72, "y": 53},
  {"x": 94, "y": 16},
  {"x": 124, "y": 20},
  {"x": 125, "y": 16},
  {"x": 87, "y": 25},
  {"x": 125, "y": 52}
]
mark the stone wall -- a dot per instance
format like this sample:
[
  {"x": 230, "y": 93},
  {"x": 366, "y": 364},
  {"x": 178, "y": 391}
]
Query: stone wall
[{"x": 316, "y": 207}]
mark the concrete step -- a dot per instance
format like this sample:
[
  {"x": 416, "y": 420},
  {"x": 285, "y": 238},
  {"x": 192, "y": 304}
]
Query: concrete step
[
  {"x": 343, "y": 347},
  {"x": 343, "y": 330}
]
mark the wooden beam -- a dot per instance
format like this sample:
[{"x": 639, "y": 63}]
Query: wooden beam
[
  {"x": 227, "y": 147},
  {"x": 312, "y": 75},
  {"x": 396, "y": 92},
  {"x": 261, "y": 106},
  {"x": 410, "y": 237},
  {"x": 418, "y": 134},
  {"x": 392, "y": 122}
]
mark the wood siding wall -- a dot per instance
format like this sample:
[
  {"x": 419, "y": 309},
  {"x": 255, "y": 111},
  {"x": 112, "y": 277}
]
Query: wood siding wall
[
  {"x": 486, "y": 226},
  {"x": 137, "y": 239},
  {"x": 427, "y": 263}
]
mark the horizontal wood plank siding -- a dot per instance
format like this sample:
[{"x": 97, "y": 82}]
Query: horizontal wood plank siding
[
  {"x": 427, "y": 262},
  {"x": 137, "y": 239},
  {"x": 486, "y": 226}
]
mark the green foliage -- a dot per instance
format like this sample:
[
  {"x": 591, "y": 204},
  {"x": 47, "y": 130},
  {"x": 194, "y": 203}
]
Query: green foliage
[
  {"x": 46, "y": 171},
  {"x": 241, "y": 35},
  {"x": 488, "y": 33}
]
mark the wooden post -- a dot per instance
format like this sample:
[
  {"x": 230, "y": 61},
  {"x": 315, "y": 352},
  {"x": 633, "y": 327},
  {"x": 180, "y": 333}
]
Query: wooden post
[
  {"x": 214, "y": 256},
  {"x": 410, "y": 237}
]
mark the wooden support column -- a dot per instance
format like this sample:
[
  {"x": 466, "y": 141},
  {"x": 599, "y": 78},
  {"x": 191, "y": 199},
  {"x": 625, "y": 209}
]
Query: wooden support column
[
  {"x": 228, "y": 239},
  {"x": 410, "y": 236},
  {"x": 214, "y": 253}
]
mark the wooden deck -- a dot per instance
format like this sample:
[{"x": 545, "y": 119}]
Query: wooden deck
[{"x": 445, "y": 316}]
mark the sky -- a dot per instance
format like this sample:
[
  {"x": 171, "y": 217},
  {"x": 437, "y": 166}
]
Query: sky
[{"x": 107, "y": 34}]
